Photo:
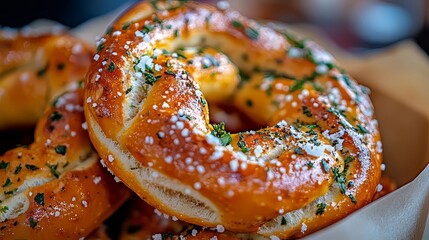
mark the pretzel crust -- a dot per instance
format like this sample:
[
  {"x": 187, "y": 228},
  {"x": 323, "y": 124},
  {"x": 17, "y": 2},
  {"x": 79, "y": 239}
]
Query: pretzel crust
[{"x": 317, "y": 161}]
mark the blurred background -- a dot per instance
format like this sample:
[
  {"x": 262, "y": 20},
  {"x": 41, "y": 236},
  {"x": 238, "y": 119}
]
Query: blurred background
[{"x": 355, "y": 25}]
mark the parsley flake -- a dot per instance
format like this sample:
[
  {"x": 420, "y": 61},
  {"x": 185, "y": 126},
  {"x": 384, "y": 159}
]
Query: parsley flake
[
  {"x": 241, "y": 143},
  {"x": 7, "y": 183},
  {"x": 111, "y": 67},
  {"x": 4, "y": 165},
  {"x": 61, "y": 149},
  {"x": 220, "y": 132},
  {"x": 320, "y": 208},
  {"x": 31, "y": 167},
  {"x": 33, "y": 223},
  {"x": 284, "y": 221},
  {"x": 53, "y": 169},
  {"x": 40, "y": 199},
  {"x": 55, "y": 116},
  {"x": 18, "y": 169}
]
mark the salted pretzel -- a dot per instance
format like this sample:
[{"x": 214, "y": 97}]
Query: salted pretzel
[
  {"x": 55, "y": 187},
  {"x": 34, "y": 70},
  {"x": 315, "y": 159}
]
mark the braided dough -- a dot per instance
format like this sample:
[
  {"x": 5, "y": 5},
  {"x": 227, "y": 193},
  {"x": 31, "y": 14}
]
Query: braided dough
[
  {"x": 54, "y": 188},
  {"x": 315, "y": 159},
  {"x": 34, "y": 70}
]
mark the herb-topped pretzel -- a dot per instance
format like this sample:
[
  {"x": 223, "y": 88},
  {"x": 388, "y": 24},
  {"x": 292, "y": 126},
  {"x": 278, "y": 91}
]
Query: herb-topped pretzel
[
  {"x": 316, "y": 158},
  {"x": 54, "y": 188},
  {"x": 34, "y": 70}
]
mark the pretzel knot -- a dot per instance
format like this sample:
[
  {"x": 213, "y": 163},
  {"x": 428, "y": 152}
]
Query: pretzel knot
[
  {"x": 315, "y": 159},
  {"x": 54, "y": 187}
]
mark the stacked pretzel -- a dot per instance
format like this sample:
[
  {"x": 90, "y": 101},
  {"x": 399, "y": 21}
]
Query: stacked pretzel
[{"x": 313, "y": 157}]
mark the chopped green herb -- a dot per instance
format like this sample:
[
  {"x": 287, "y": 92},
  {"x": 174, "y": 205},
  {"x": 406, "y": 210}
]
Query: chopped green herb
[
  {"x": 169, "y": 72},
  {"x": 40, "y": 199},
  {"x": 306, "y": 111},
  {"x": 7, "y": 183},
  {"x": 350, "y": 184},
  {"x": 147, "y": 28},
  {"x": 241, "y": 143},
  {"x": 340, "y": 179},
  {"x": 294, "y": 41},
  {"x": 126, "y": 26},
  {"x": 310, "y": 164},
  {"x": 298, "y": 151},
  {"x": 53, "y": 169},
  {"x": 252, "y": 33},
  {"x": 176, "y": 33},
  {"x": 31, "y": 167},
  {"x": 61, "y": 149},
  {"x": 325, "y": 166},
  {"x": 100, "y": 47},
  {"x": 4, "y": 209},
  {"x": 55, "y": 116},
  {"x": 65, "y": 164},
  {"x": 348, "y": 159},
  {"x": 11, "y": 191},
  {"x": 284, "y": 221},
  {"x": 352, "y": 198},
  {"x": 150, "y": 78},
  {"x": 297, "y": 85},
  {"x": 4, "y": 165},
  {"x": 188, "y": 117},
  {"x": 18, "y": 169},
  {"x": 112, "y": 67},
  {"x": 109, "y": 30},
  {"x": 129, "y": 89},
  {"x": 33, "y": 223},
  {"x": 320, "y": 208},
  {"x": 361, "y": 129},
  {"x": 220, "y": 132},
  {"x": 236, "y": 24}
]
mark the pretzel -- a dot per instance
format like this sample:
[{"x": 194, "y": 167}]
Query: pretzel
[
  {"x": 315, "y": 159},
  {"x": 55, "y": 187},
  {"x": 34, "y": 70}
]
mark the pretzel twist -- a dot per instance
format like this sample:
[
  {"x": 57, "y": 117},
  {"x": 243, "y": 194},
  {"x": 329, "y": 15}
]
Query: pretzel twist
[
  {"x": 55, "y": 187},
  {"x": 34, "y": 70},
  {"x": 317, "y": 161}
]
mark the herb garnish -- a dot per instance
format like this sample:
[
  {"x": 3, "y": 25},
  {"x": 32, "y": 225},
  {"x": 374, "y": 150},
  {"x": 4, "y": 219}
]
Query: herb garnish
[
  {"x": 241, "y": 144},
  {"x": 320, "y": 208},
  {"x": 7, "y": 183},
  {"x": 55, "y": 116},
  {"x": 40, "y": 199},
  {"x": 220, "y": 132},
  {"x": 18, "y": 169},
  {"x": 53, "y": 169},
  {"x": 61, "y": 149},
  {"x": 33, "y": 223},
  {"x": 112, "y": 67},
  {"x": 4, "y": 165},
  {"x": 31, "y": 167},
  {"x": 284, "y": 221}
]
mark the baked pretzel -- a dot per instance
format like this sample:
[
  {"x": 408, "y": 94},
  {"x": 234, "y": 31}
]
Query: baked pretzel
[
  {"x": 317, "y": 161},
  {"x": 55, "y": 187},
  {"x": 34, "y": 70}
]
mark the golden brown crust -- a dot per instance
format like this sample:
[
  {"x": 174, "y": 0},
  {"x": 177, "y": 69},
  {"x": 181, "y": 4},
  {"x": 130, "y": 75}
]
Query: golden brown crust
[
  {"x": 56, "y": 187},
  {"x": 321, "y": 143},
  {"x": 34, "y": 70}
]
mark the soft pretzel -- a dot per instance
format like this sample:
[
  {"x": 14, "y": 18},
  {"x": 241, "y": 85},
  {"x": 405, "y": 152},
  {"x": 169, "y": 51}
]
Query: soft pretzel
[
  {"x": 34, "y": 69},
  {"x": 55, "y": 187},
  {"x": 316, "y": 159}
]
